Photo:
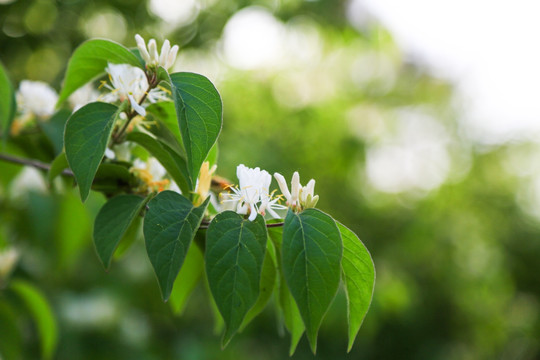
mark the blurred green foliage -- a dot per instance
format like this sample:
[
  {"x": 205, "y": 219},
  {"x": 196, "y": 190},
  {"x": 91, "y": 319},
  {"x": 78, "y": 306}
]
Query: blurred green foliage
[{"x": 457, "y": 261}]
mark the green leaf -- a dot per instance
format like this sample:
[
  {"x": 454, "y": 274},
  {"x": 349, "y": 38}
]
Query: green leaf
[
  {"x": 8, "y": 106},
  {"x": 89, "y": 61},
  {"x": 171, "y": 161},
  {"x": 112, "y": 222},
  {"x": 234, "y": 256},
  {"x": 58, "y": 165},
  {"x": 187, "y": 279},
  {"x": 312, "y": 251},
  {"x": 199, "y": 112},
  {"x": 170, "y": 224},
  {"x": 289, "y": 309},
  {"x": 41, "y": 312},
  {"x": 86, "y": 136},
  {"x": 54, "y": 129},
  {"x": 266, "y": 287},
  {"x": 359, "y": 275}
]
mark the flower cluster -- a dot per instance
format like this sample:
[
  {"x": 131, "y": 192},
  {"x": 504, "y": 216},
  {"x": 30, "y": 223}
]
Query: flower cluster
[
  {"x": 35, "y": 99},
  {"x": 151, "y": 56},
  {"x": 252, "y": 195}
]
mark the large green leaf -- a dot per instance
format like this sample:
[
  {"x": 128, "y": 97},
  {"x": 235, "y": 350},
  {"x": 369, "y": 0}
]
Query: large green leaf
[
  {"x": 112, "y": 222},
  {"x": 266, "y": 287},
  {"x": 89, "y": 61},
  {"x": 187, "y": 279},
  {"x": 86, "y": 136},
  {"x": 234, "y": 256},
  {"x": 170, "y": 224},
  {"x": 7, "y": 102},
  {"x": 41, "y": 312},
  {"x": 311, "y": 251},
  {"x": 199, "y": 111},
  {"x": 171, "y": 160},
  {"x": 359, "y": 275},
  {"x": 288, "y": 308}
]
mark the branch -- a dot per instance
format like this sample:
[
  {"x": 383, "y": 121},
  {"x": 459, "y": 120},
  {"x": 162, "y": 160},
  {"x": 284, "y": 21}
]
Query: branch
[
  {"x": 30, "y": 162},
  {"x": 204, "y": 225}
]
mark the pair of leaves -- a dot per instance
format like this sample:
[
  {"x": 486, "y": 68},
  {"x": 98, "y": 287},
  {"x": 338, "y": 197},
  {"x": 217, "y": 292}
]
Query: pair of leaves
[{"x": 316, "y": 251}]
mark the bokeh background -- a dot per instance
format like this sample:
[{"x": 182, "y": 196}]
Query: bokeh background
[{"x": 403, "y": 139}]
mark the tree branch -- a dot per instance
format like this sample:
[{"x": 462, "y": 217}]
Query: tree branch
[{"x": 33, "y": 163}]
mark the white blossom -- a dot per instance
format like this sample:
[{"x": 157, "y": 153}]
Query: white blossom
[
  {"x": 83, "y": 96},
  {"x": 151, "y": 56},
  {"x": 300, "y": 197},
  {"x": 36, "y": 98},
  {"x": 130, "y": 82},
  {"x": 253, "y": 189}
]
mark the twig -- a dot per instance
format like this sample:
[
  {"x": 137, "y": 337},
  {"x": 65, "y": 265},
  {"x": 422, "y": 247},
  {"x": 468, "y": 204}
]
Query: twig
[{"x": 30, "y": 162}]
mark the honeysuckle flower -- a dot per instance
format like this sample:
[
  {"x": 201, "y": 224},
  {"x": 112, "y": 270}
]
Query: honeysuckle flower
[
  {"x": 130, "y": 82},
  {"x": 300, "y": 197},
  {"x": 252, "y": 190},
  {"x": 36, "y": 98},
  {"x": 83, "y": 96},
  {"x": 167, "y": 57},
  {"x": 152, "y": 173},
  {"x": 202, "y": 188}
]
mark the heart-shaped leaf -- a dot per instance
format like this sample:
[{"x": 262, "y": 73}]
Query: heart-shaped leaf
[
  {"x": 170, "y": 224},
  {"x": 86, "y": 136},
  {"x": 311, "y": 253},
  {"x": 112, "y": 222},
  {"x": 234, "y": 257}
]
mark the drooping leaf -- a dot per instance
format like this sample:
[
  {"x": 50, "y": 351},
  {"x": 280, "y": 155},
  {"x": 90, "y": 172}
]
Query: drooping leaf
[
  {"x": 54, "y": 129},
  {"x": 287, "y": 306},
  {"x": 234, "y": 256},
  {"x": 199, "y": 112},
  {"x": 311, "y": 251},
  {"x": 7, "y": 102},
  {"x": 89, "y": 61},
  {"x": 266, "y": 288},
  {"x": 359, "y": 275},
  {"x": 86, "y": 136},
  {"x": 187, "y": 279},
  {"x": 171, "y": 161},
  {"x": 170, "y": 224},
  {"x": 42, "y": 314},
  {"x": 112, "y": 222}
]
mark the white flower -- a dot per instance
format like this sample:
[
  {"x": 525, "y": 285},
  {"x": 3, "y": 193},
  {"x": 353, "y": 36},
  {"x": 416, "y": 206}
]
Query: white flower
[
  {"x": 167, "y": 57},
  {"x": 300, "y": 197},
  {"x": 83, "y": 96},
  {"x": 130, "y": 82},
  {"x": 36, "y": 98},
  {"x": 253, "y": 189}
]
